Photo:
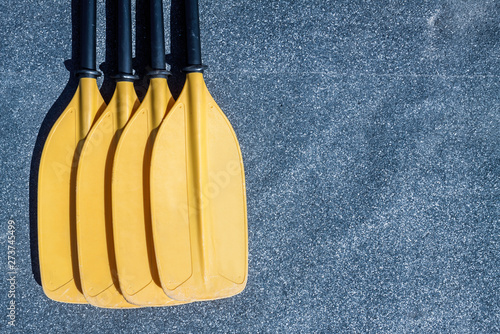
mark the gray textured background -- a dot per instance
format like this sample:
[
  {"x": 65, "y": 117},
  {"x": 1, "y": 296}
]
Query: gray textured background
[{"x": 370, "y": 135}]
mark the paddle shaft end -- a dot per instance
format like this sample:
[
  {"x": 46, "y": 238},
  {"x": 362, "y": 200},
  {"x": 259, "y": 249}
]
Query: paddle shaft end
[
  {"x": 125, "y": 72},
  {"x": 124, "y": 38},
  {"x": 88, "y": 37},
  {"x": 193, "y": 37},
  {"x": 157, "y": 35}
]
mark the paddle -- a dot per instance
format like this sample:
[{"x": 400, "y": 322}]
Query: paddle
[
  {"x": 93, "y": 200},
  {"x": 133, "y": 239},
  {"x": 57, "y": 173},
  {"x": 198, "y": 202}
]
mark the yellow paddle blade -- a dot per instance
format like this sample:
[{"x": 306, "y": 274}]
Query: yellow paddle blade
[
  {"x": 56, "y": 194},
  {"x": 133, "y": 239},
  {"x": 93, "y": 202},
  {"x": 198, "y": 200}
]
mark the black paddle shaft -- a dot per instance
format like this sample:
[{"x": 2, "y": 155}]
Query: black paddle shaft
[
  {"x": 88, "y": 39},
  {"x": 193, "y": 37},
  {"x": 156, "y": 29},
  {"x": 125, "y": 72},
  {"x": 157, "y": 35}
]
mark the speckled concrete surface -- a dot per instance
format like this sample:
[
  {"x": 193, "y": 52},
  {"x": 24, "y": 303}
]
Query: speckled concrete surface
[{"x": 370, "y": 135}]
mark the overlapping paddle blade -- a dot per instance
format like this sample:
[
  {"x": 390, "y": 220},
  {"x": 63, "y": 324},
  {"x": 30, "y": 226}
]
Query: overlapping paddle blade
[
  {"x": 132, "y": 230},
  {"x": 93, "y": 202},
  {"x": 198, "y": 200},
  {"x": 56, "y": 194}
]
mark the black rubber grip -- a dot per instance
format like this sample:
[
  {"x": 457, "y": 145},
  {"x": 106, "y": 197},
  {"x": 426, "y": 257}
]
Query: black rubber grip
[
  {"x": 193, "y": 36},
  {"x": 124, "y": 38},
  {"x": 157, "y": 35},
  {"x": 88, "y": 36},
  {"x": 159, "y": 74}
]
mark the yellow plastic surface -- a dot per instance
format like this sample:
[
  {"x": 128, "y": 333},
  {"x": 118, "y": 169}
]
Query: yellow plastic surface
[
  {"x": 136, "y": 262},
  {"x": 93, "y": 202},
  {"x": 56, "y": 194},
  {"x": 198, "y": 200}
]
